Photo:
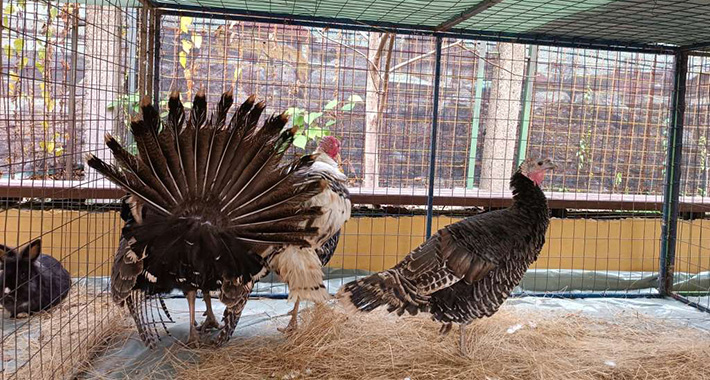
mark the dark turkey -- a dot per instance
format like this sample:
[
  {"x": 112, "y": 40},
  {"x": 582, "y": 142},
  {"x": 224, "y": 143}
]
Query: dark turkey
[
  {"x": 210, "y": 200},
  {"x": 466, "y": 270}
]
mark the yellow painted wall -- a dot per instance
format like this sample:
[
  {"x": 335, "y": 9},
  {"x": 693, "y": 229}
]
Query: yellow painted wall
[{"x": 85, "y": 241}]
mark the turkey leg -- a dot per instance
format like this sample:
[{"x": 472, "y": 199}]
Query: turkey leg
[
  {"x": 463, "y": 344},
  {"x": 210, "y": 322},
  {"x": 194, "y": 338},
  {"x": 293, "y": 323}
]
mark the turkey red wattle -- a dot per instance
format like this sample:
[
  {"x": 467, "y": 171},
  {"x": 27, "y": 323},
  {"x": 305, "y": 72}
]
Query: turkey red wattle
[
  {"x": 537, "y": 176},
  {"x": 331, "y": 146}
]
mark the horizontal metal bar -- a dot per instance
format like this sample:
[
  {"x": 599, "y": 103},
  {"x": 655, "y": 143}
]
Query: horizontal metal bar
[
  {"x": 472, "y": 200},
  {"x": 570, "y": 295},
  {"x": 325, "y": 22},
  {"x": 697, "y": 46},
  {"x": 690, "y": 303},
  {"x": 467, "y": 14},
  {"x": 555, "y": 295}
]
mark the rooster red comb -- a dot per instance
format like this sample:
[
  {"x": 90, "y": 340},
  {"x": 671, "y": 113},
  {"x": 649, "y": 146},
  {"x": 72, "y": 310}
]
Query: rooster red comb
[{"x": 330, "y": 145}]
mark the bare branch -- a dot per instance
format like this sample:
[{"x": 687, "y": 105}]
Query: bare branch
[
  {"x": 345, "y": 46},
  {"x": 420, "y": 57}
]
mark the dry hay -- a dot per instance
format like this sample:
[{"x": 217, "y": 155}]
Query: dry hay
[
  {"x": 513, "y": 344},
  {"x": 54, "y": 344}
]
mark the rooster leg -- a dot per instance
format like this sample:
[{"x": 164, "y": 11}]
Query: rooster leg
[
  {"x": 293, "y": 323},
  {"x": 463, "y": 343},
  {"x": 194, "y": 338},
  {"x": 210, "y": 322}
]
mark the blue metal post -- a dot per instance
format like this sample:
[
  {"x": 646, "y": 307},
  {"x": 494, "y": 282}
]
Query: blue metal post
[
  {"x": 673, "y": 167},
  {"x": 156, "y": 57},
  {"x": 432, "y": 148}
]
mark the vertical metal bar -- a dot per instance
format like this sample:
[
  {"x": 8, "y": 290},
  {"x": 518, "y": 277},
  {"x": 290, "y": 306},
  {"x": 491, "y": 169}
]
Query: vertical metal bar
[
  {"x": 432, "y": 148},
  {"x": 150, "y": 52},
  {"x": 673, "y": 167},
  {"x": 69, "y": 154},
  {"x": 156, "y": 58},
  {"x": 526, "y": 110},
  {"x": 476, "y": 119},
  {"x": 132, "y": 61},
  {"x": 142, "y": 59}
]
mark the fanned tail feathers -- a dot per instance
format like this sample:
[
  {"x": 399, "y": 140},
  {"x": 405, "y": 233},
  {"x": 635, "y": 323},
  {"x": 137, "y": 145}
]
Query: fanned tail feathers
[{"x": 233, "y": 168}]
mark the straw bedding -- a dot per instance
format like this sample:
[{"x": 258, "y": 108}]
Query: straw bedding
[
  {"x": 513, "y": 344},
  {"x": 60, "y": 341}
]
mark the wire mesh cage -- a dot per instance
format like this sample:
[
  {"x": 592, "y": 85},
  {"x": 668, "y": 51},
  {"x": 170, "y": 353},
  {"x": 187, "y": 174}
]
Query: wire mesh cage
[
  {"x": 66, "y": 74},
  {"x": 432, "y": 129}
]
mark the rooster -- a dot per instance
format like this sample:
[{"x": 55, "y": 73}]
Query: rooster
[
  {"x": 209, "y": 201},
  {"x": 467, "y": 269},
  {"x": 301, "y": 268}
]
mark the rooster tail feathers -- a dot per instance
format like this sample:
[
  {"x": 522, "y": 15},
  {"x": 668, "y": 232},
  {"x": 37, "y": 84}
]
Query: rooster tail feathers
[{"x": 230, "y": 172}]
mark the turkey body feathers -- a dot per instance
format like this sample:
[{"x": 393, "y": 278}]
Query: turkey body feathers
[
  {"x": 467, "y": 269},
  {"x": 301, "y": 267},
  {"x": 212, "y": 198}
]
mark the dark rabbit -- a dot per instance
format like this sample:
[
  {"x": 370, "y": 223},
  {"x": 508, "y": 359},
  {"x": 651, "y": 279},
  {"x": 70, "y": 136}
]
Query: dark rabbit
[{"x": 31, "y": 281}]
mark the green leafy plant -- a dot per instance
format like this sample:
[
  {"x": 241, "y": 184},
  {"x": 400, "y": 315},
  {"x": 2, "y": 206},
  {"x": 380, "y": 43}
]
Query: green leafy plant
[
  {"x": 583, "y": 153},
  {"x": 53, "y": 146},
  {"x": 126, "y": 105},
  {"x": 617, "y": 179},
  {"x": 314, "y": 125}
]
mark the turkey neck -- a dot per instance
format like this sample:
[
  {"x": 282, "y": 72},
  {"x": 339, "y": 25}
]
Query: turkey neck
[{"x": 528, "y": 198}]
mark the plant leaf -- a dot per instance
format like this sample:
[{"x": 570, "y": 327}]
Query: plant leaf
[
  {"x": 329, "y": 123},
  {"x": 300, "y": 141},
  {"x": 331, "y": 104},
  {"x": 298, "y": 120},
  {"x": 348, "y": 107},
  {"x": 197, "y": 40},
  {"x": 355, "y": 98},
  {"x": 183, "y": 59},
  {"x": 315, "y": 133},
  {"x": 185, "y": 23},
  {"x": 312, "y": 116},
  {"x": 18, "y": 44},
  {"x": 237, "y": 72}
]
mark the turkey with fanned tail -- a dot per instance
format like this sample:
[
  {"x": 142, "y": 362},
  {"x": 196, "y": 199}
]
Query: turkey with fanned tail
[
  {"x": 209, "y": 201},
  {"x": 467, "y": 269}
]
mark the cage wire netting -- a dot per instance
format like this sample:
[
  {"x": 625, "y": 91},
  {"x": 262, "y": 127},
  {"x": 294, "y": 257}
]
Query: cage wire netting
[
  {"x": 72, "y": 72},
  {"x": 692, "y": 260},
  {"x": 66, "y": 71}
]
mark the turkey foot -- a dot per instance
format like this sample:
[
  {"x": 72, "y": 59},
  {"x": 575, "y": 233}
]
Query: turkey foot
[
  {"x": 193, "y": 339},
  {"x": 210, "y": 322},
  {"x": 293, "y": 323}
]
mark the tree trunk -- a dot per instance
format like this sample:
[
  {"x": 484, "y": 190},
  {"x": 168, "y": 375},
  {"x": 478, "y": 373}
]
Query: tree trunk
[
  {"x": 102, "y": 82},
  {"x": 371, "y": 169},
  {"x": 503, "y": 118}
]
